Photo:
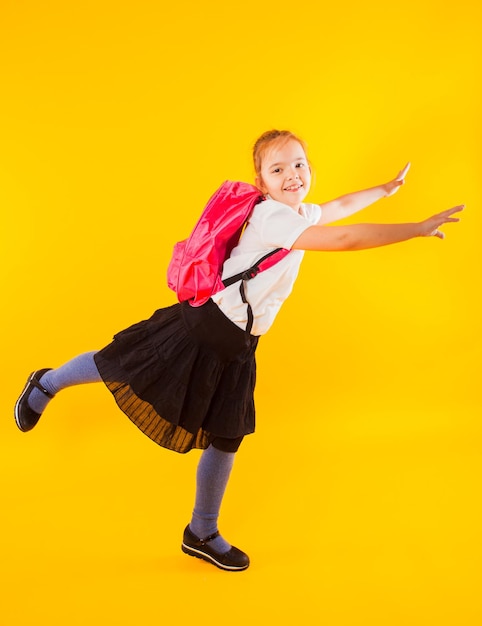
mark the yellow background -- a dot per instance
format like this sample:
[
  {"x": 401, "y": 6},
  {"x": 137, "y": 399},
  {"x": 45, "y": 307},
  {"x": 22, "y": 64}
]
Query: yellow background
[{"x": 358, "y": 499}]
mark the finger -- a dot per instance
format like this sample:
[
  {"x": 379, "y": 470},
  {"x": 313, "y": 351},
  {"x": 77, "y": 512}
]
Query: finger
[
  {"x": 453, "y": 210},
  {"x": 450, "y": 212},
  {"x": 439, "y": 234},
  {"x": 456, "y": 209},
  {"x": 403, "y": 172}
]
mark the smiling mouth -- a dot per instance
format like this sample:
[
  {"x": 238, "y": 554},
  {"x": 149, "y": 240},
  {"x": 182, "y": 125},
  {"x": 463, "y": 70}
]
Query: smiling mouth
[{"x": 293, "y": 187}]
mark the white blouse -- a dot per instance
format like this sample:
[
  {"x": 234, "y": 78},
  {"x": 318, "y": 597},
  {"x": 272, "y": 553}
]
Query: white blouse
[{"x": 271, "y": 225}]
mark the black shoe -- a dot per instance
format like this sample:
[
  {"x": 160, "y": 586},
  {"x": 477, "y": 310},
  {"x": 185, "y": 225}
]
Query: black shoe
[
  {"x": 25, "y": 417},
  {"x": 234, "y": 560}
]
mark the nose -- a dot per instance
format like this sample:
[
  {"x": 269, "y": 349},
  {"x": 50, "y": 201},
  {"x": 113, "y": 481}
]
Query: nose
[{"x": 293, "y": 173}]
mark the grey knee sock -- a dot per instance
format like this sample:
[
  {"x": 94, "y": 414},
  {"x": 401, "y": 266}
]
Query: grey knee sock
[
  {"x": 81, "y": 369},
  {"x": 212, "y": 478}
]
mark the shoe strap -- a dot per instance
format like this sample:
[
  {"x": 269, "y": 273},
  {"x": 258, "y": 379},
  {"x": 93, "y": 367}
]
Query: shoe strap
[
  {"x": 40, "y": 387},
  {"x": 209, "y": 538}
]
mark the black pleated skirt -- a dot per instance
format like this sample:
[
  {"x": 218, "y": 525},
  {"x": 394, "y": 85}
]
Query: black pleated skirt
[{"x": 184, "y": 377}]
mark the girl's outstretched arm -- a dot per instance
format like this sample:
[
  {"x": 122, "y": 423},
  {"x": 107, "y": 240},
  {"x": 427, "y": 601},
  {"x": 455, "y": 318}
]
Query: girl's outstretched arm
[
  {"x": 351, "y": 203},
  {"x": 364, "y": 236}
]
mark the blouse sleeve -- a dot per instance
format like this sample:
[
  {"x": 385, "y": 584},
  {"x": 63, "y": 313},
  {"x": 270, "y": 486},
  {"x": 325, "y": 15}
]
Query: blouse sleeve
[{"x": 279, "y": 226}]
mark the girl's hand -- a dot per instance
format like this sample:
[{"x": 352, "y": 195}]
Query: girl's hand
[
  {"x": 430, "y": 226},
  {"x": 394, "y": 185}
]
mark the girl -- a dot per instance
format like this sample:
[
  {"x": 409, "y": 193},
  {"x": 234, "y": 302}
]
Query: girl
[{"x": 186, "y": 376}]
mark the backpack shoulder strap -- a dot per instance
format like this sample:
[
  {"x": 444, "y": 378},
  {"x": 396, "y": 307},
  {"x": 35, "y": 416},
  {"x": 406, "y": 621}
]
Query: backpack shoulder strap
[
  {"x": 264, "y": 263},
  {"x": 260, "y": 265}
]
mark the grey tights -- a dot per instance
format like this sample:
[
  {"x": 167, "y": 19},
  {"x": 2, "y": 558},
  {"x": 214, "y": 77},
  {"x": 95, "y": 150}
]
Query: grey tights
[{"x": 81, "y": 369}]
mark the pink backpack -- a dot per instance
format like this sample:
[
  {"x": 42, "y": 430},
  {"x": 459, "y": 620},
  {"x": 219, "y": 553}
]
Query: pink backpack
[{"x": 195, "y": 269}]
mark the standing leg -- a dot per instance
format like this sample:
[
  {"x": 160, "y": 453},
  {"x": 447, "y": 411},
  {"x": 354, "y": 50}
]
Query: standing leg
[
  {"x": 213, "y": 472},
  {"x": 201, "y": 537},
  {"x": 43, "y": 384}
]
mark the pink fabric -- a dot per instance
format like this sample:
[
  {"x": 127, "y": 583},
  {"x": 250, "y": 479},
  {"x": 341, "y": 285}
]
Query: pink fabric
[{"x": 194, "y": 272}]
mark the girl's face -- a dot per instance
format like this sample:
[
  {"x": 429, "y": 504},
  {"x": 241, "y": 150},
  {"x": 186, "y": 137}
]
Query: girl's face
[{"x": 285, "y": 174}]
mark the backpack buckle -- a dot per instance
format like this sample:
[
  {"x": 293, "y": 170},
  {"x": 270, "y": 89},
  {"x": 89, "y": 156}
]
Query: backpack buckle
[{"x": 251, "y": 273}]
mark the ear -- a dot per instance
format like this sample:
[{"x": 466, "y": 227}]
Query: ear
[{"x": 258, "y": 181}]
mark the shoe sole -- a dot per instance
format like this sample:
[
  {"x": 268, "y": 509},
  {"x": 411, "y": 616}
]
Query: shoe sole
[
  {"x": 17, "y": 404},
  {"x": 199, "y": 554}
]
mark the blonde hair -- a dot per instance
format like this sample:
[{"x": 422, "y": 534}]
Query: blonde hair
[{"x": 268, "y": 139}]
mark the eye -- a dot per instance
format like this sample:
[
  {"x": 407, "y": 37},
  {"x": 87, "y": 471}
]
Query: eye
[
  {"x": 300, "y": 165},
  {"x": 276, "y": 170}
]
